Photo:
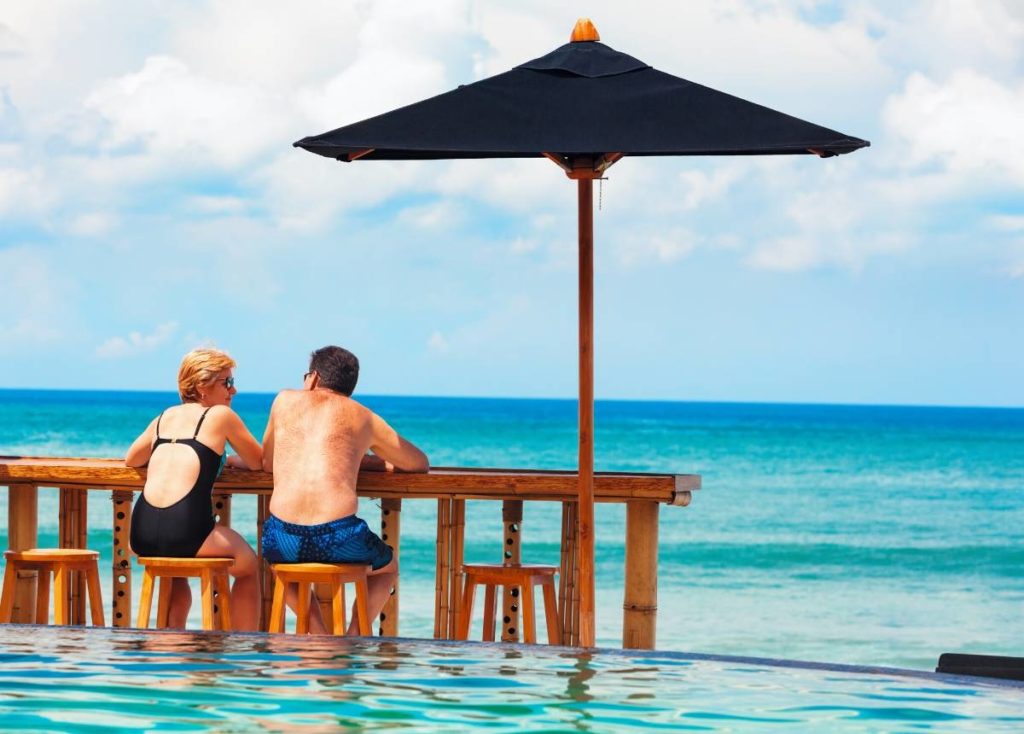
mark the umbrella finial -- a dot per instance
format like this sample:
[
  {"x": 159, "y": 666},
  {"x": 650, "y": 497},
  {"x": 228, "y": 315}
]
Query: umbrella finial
[{"x": 584, "y": 31}]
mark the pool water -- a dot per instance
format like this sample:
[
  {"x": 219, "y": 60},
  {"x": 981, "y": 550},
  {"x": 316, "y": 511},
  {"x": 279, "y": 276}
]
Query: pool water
[{"x": 105, "y": 680}]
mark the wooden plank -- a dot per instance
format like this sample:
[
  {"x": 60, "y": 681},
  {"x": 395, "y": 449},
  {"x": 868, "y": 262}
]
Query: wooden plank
[
  {"x": 391, "y": 533},
  {"x": 512, "y": 553},
  {"x": 439, "y": 482},
  {"x": 640, "y": 600},
  {"x": 122, "y": 567},
  {"x": 23, "y": 534}
]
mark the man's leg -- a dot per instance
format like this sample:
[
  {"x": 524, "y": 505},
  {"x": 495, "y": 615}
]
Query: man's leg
[{"x": 379, "y": 584}]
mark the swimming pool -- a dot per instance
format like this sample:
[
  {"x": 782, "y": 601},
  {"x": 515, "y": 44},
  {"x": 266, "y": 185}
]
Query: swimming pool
[{"x": 93, "y": 680}]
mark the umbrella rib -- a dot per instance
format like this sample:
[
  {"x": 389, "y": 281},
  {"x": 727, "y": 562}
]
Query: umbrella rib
[{"x": 559, "y": 161}]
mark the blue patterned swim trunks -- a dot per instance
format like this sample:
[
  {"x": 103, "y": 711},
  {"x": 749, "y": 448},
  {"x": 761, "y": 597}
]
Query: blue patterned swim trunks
[{"x": 347, "y": 540}]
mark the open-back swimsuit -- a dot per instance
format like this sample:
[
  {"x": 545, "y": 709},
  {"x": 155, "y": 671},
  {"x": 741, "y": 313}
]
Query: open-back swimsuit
[{"x": 180, "y": 529}]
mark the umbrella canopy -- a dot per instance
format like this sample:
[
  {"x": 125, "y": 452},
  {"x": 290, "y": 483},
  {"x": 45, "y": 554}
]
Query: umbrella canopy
[
  {"x": 583, "y": 98},
  {"x": 584, "y": 106}
]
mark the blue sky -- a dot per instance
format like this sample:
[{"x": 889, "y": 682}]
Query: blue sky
[{"x": 150, "y": 201}]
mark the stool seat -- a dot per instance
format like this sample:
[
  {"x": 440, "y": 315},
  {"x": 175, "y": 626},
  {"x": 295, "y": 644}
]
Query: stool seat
[
  {"x": 53, "y": 555},
  {"x": 336, "y": 575},
  {"x": 523, "y": 576},
  {"x": 212, "y": 574},
  {"x": 59, "y": 562}
]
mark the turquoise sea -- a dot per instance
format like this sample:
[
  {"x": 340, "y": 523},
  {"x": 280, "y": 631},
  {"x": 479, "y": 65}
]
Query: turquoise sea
[{"x": 871, "y": 535}]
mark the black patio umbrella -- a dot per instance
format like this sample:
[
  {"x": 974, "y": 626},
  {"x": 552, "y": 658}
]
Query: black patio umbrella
[{"x": 584, "y": 106}]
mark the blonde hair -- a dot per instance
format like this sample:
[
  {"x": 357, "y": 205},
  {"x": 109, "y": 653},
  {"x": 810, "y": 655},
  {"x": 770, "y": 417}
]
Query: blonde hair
[{"x": 200, "y": 367}]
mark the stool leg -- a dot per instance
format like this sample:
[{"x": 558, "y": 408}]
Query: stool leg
[
  {"x": 92, "y": 582},
  {"x": 337, "y": 607},
  {"x": 43, "y": 597},
  {"x": 146, "y": 600},
  {"x": 60, "y": 594},
  {"x": 551, "y": 611},
  {"x": 302, "y": 609},
  {"x": 527, "y": 608},
  {"x": 489, "y": 612},
  {"x": 163, "y": 602},
  {"x": 7, "y": 597},
  {"x": 466, "y": 613},
  {"x": 206, "y": 585},
  {"x": 277, "y": 608},
  {"x": 224, "y": 595},
  {"x": 362, "y": 592}
]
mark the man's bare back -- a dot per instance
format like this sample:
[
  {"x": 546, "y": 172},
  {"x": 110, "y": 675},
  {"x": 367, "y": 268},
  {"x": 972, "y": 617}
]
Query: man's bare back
[{"x": 316, "y": 443}]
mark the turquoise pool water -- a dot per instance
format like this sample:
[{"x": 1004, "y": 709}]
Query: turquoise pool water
[{"x": 105, "y": 680}]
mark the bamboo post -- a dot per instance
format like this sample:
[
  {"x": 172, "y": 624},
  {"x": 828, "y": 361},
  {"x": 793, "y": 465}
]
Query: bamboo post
[
  {"x": 23, "y": 534},
  {"x": 640, "y": 602},
  {"x": 444, "y": 509},
  {"x": 391, "y": 533},
  {"x": 122, "y": 567},
  {"x": 222, "y": 516},
  {"x": 73, "y": 534},
  {"x": 266, "y": 575},
  {"x": 222, "y": 509},
  {"x": 457, "y": 550},
  {"x": 567, "y": 576},
  {"x": 512, "y": 519},
  {"x": 585, "y": 550}
]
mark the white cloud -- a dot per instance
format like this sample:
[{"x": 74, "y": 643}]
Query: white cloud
[
  {"x": 180, "y": 117},
  {"x": 93, "y": 224},
  {"x": 1007, "y": 222},
  {"x": 219, "y": 205},
  {"x": 136, "y": 343},
  {"x": 437, "y": 343},
  {"x": 33, "y": 300},
  {"x": 970, "y": 123},
  {"x": 637, "y": 248},
  {"x": 439, "y": 215},
  {"x": 24, "y": 191}
]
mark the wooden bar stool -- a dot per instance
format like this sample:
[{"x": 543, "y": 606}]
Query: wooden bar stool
[
  {"x": 306, "y": 574},
  {"x": 522, "y": 576},
  {"x": 212, "y": 574},
  {"x": 60, "y": 562}
]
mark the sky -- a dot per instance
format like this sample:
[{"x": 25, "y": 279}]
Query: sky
[{"x": 151, "y": 202}]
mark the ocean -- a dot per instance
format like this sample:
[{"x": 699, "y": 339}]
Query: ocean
[{"x": 873, "y": 535}]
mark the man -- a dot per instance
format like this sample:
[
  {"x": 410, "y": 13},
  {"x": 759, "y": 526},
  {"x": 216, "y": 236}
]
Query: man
[{"x": 316, "y": 442}]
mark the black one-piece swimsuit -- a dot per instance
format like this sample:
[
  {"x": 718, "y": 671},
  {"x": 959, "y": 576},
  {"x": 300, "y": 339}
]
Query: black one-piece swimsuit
[{"x": 178, "y": 530}]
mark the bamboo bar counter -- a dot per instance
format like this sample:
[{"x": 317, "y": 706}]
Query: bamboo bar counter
[{"x": 449, "y": 487}]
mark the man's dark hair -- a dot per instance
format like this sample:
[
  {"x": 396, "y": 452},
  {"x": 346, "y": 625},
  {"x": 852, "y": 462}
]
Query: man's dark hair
[{"x": 338, "y": 368}]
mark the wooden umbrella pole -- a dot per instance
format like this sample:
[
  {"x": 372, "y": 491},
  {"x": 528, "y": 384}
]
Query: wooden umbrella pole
[{"x": 585, "y": 546}]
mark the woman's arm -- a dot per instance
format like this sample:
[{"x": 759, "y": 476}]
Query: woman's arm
[
  {"x": 243, "y": 442},
  {"x": 141, "y": 449}
]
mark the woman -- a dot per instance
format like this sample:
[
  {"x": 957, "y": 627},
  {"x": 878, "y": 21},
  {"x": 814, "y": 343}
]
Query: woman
[{"x": 184, "y": 448}]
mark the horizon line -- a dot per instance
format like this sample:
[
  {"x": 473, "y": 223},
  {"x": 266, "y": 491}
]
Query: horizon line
[{"x": 573, "y": 399}]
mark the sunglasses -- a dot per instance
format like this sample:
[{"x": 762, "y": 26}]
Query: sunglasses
[
  {"x": 229, "y": 382},
  {"x": 306, "y": 376}
]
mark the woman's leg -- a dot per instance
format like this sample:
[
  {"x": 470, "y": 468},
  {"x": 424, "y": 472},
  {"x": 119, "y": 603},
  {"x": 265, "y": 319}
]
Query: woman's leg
[
  {"x": 245, "y": 592},
  {"x": 181, "y": 603}
]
